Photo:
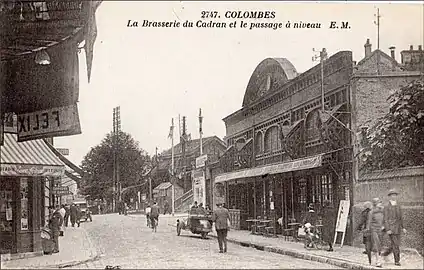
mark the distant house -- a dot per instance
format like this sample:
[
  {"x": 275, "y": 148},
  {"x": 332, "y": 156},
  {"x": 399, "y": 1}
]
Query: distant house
[
  {"x": 163, "y": 193},
  {"x": 185, "y": 154}
]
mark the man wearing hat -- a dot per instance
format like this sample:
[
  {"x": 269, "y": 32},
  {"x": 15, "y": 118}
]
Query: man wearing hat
[
  {"x": 393, "y": 225},
  {"x": 221, "y": 216}
]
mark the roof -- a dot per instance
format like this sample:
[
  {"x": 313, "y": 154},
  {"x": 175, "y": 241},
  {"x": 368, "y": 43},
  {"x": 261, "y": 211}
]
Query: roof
[
  {"x": 192, "y": 145},
  {"x": 29, "y": 158},
  {"x": 378, "y": 51},
  {"x": 164, "y": 185}
]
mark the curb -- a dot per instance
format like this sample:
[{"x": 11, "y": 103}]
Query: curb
[{"x": 301, "y": 255}]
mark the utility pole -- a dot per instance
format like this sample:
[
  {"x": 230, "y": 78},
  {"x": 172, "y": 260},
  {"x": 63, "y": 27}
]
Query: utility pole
[
  {"x": 377, "y": 22},
  {"x": 116, "y": 130},
  {"x": 200, "y": 130},
  {"x": 183, "y": 152},
  {"x": 322, "y": 57},
  {"x": 172, "y": 166}
]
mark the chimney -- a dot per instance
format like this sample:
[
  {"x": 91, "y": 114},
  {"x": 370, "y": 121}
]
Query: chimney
[
  {"x": 420, "y": 47},
  {"x": 392, "y": 52},
  {"x": 411, "y": 48},
  {"x": 367, "y": 48}
]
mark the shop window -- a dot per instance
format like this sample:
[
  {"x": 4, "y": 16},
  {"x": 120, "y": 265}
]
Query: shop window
[
  {"x": 272, "y": 141},
  {"x": 327, "y": 188},
  {"x": 316, "y": 189},
  {"x": 6, "y": 205},
  {"x": 302, "y": 193}
]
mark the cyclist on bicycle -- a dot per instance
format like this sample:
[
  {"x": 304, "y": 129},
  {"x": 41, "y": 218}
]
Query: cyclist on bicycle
[
  {"x": 308, "y": 222},
  {"x": 154, "y": 215},
  {"x": 148, "y": 209}
]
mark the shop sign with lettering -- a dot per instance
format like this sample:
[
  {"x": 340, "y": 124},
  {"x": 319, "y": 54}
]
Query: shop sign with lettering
[
  {"x": 201, "y": 161},
  {"x": 55, "y": 122},
  {"x": 31, "y": 170}
]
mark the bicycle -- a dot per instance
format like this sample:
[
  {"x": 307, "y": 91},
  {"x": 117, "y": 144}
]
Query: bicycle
[{"x": 314, "y": 238}]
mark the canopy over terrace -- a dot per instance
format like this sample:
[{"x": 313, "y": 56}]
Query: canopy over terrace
[{"x": 296, "y": 165}]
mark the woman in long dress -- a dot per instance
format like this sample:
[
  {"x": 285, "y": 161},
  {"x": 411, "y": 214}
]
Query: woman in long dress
[{"x": 374, "y": 226}]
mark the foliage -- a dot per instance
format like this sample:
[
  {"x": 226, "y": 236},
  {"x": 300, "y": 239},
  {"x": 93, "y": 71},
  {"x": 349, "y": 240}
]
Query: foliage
[
  {"x": 134, "y": 162},
  {"x": 397, "y": 140}
]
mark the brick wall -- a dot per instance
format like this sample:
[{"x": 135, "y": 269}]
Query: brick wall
[{"x": 410, "y": 184}]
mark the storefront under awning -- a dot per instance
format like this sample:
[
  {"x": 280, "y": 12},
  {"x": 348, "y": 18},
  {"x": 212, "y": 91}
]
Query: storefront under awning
[
  {"x": 295, "y": 165},
  {"x": 30, "y": 158}
]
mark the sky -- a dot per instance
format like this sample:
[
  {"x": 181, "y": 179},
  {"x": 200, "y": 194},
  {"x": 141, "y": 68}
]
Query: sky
[{"x": 156, "y": 74}]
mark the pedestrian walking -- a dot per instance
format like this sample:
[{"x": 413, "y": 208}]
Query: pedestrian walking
[
  {"x": 148, "y": 209},
  {"x": 154, "y": 215},
  {"x": 78, "y": 216},
  {"x": 166, "y": 207},
  {"x": 221, "y": 217},
  {"x": 362, "y": 227},
  {"x": 55, "y": 222},
  {"x": 62, "y": 212},
  {"x": 73, "y": 214},
  {"x": 374, "y": 227},
  {"x": 328, "y": 217},
  {"x": 67, "y": 213},
  {"x": 393, "y": 225}
]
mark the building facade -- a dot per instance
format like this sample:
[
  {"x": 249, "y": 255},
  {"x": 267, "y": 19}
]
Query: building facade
[{"x": 285, "y": 152}]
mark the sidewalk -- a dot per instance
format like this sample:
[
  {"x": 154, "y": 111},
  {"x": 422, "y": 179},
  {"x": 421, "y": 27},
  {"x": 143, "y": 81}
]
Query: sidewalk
[
  {"x": 346, "y": 257},
  {"x": 75, "y": 248}
]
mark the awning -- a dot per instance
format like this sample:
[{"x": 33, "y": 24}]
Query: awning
[
  {"x": 30, "y": 158},
  {"x": 295, "y": 165}
]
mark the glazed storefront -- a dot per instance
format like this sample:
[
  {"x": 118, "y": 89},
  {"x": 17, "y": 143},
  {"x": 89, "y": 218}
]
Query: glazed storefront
[
  {"x": 26, "y": 169},
  {"x": 283, "y": 190}
]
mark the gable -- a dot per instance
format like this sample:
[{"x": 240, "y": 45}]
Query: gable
[{"x": 378, "y": 60}]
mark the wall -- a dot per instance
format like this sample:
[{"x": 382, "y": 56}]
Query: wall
[{"x": 410, "y": 184}]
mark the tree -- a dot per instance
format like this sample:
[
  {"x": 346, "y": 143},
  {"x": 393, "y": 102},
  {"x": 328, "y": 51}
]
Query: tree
[
  {"x": 134, "y": 162},
  {"x": 397, "y": 140}
]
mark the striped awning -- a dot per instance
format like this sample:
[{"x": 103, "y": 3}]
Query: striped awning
[{"x": 30, "y": 158}]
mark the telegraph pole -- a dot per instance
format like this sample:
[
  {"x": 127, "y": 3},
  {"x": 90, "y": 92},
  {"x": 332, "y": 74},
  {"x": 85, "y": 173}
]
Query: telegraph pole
[
  {"x": 200, "y": 131},
  {"x": 116, "y": 130},
  {"x": 322, "y": 57},
  {"x": 172, "y": 166},
  {"x": 377, "y": 22}
]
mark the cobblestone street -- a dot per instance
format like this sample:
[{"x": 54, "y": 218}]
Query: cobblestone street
[{"x": 125, "y": 241}]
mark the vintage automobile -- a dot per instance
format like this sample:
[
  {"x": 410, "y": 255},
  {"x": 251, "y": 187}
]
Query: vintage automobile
[{"x": 198, "y": 222}]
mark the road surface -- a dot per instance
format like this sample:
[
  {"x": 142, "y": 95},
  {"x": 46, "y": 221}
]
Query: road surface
[{"x": 126, "y": 241}]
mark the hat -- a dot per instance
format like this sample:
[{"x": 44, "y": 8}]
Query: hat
[
  {"x": 375, "y": 201},
  {"x": 367, "y": 204},
  {"x": 392, "y": 191}
]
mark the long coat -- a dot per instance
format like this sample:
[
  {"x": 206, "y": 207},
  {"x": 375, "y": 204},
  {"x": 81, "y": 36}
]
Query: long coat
[
  {"x": 55, "y": 221},
  {"x": 362, "y": 225},
  {"x": 329, "y": 217},
  {"x": 393, "y": 220},
  {"x": 220, "y": 217}
]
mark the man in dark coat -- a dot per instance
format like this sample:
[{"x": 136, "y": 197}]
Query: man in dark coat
[
  {"x": 393, "y": 225},
  {"x": 67, "y": 213},
  {"x": 221, "y": 216},
  {"x": 55, "y": 222},
  {"x": 73, "y": 214},
  {"x": 328, "y": 216},
  {"x": 154, "y": 214},
  {"x": 362, "y": 225}
]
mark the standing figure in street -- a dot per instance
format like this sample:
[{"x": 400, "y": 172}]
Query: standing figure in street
[
  {"x": 328, "y": 216},
  {"x": 393, "y": 225},
  {"x": 67, "y": 213},
  {"x": 166, "y": 207},
  {"x": 221, "y": 218},
  {"x": 374, "y": 227},
  {"x": 55, "y": 222},
  {"x": 73, "y": 214},
  {"x": 62, "y": 212},
  {"x": 362, "y": 227},
  {"x": 154, "y": 215},
  {"x": 148, "y": 209},
  {"x": 78, "y": 216}
]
